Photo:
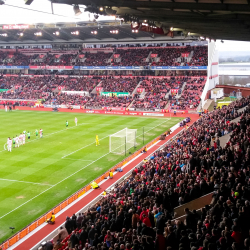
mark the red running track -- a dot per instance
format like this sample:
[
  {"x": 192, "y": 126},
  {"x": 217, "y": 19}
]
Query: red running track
[{"x": 41, "y": 234}]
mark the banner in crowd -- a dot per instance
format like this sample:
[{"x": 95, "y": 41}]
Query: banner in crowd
[
  {"x": 3, "y": 90},
  {"x": 174, "y": 91},
  {"x": 153, "y": 114},
  {"x": 116, "y": 55},
  {"x": 185, "y": 54},
  {"x": 154, "y": 55},
  {"x": 140, "y": 90},
  {"x": 17, "y": 86},
  {"x": 14, "y": 67},
  {"x": 115, "y": 94},
  {"x": 109, "y": 67},
  {"x": 60, "y": 87},
  {"x": 52, "y": 67},
  {"x": 81, "y": 93},
  {"x": 99, "y": 89},
  {"x": 178, "y": 67},
  {"x": 81, "y": 56},
  {"x": 113, "y": 108}
]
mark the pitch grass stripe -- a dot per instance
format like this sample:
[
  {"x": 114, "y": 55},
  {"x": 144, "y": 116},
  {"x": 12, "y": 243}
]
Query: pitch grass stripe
[
  {"x": 35, "y": 183},
  {"x": 69, "y": 177}
]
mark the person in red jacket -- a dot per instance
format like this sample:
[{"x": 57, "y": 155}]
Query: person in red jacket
[
  {"x": 146, "y": 221},
  {"x": 144, "y": 211},
  {"x": 236, "y": 235},
  {"x": 160, "y": 242}
]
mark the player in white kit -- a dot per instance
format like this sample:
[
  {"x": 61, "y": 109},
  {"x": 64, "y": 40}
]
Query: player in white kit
[
  {"x": 9, "y": 144},
  {"x": 24, "y": 137},
  {"x": 21, "y": 139},
  {"x": 17, "y": 141},
  {"x": 76, "y": 121},
  {"x": 41, "y": 133},
  {"x": 6, "y": 108}
]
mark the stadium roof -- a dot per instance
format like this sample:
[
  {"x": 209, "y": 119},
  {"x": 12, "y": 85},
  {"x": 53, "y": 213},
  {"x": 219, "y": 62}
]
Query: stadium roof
[
  {"x": 10, "y": 35},
  {"x": 215, "y": 19}
]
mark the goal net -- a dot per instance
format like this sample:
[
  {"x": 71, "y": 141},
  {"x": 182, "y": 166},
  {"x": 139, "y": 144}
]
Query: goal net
[{"x": 122, "y": 140}]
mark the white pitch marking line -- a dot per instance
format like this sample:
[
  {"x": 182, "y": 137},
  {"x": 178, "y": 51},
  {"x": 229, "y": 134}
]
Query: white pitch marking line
[
  {"x": 26, "y": 182},
  {"x": 66, "y": 178},
  {"x": 76, "y": 159}
]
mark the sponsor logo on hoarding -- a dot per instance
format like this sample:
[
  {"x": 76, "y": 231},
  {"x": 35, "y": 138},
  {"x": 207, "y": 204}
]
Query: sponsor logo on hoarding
[{"x": 153, "y": 114}]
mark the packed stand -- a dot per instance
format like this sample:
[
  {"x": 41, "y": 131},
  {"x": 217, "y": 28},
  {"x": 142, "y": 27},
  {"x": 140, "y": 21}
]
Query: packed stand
[
  {"x": 67, "y": 100},
  {"x": 190, "y": 97},
  {"x": 27, "y": 88},
  {"x": 132, "y": 57},
  {"x": 96, "y": 59},
  {"x": 120, "y": 84},
  {"x": 169, "y": 56},
  {"x": 200, "y": 57},
  {"x": 109, "y": 102},
  {"x": 80, "y": 84},
  {"x": 137, "y": 214},
  {"x": 155, "y": 92}
]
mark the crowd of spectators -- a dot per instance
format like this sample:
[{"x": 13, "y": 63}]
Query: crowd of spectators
[
  {"x": 200, "y": 57},
  {"x": 127, "y": 57},
  {"x": 67, "y": 100},
  {"x": 169, "y": 56},
  {"x": 190, "y": 97},
  {"x": 120, "y": 84},
  {"x": 96, "y": 59},
  {"x": 132, "y": 57},
  {"x": 154, "y": 94},
  {"x": 80, "y": 84},
  {"x": 156, "y": 90},
  {"x": 109, "y": 101},
  {"x": 139, "y": 214},
  {"x": 150, "y": 101}
]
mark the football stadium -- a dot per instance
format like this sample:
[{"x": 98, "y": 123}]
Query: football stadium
[{"x": 115, "y": 131}]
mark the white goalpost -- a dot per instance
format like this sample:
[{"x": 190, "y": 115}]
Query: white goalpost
[{"x": 122, "y": 140}]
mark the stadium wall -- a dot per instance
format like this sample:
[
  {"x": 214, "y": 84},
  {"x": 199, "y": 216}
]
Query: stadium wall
[{"x": 212, "y": 71}]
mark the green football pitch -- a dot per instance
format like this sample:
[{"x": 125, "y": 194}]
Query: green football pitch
[{"x": 40, "y": 174}]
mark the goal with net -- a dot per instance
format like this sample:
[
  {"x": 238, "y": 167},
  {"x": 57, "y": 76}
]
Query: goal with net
[{"x": 122, "y": 140}]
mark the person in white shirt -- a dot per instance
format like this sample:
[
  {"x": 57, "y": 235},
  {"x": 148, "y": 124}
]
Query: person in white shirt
[
  {"x": 17, "y": 141},
  {"x": 21, "y": 139},
  {"x": 41, "y": 133},
  {"x": 9, "y": 144},
  {"x": 76, "y": 121},
  {"x": 24, "y": 136},
  {"x": 6, "y": 108}
]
